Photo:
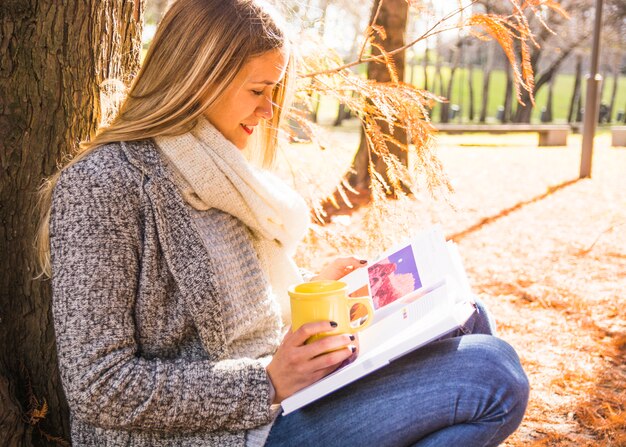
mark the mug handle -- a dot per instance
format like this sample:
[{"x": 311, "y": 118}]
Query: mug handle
[{"x": 366, "y": 301}]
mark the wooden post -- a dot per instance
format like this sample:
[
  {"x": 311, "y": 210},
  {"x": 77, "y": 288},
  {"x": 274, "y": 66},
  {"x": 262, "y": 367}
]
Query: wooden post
[{"x": 592, "y": 102}]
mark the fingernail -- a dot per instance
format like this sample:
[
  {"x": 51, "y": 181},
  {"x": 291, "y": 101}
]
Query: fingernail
[
  {"x": 363, "y": 261},
  {"x": 352, "y": 337},
  {"x": 333, "y": 323},
  {"x": 353, "y": 349}
]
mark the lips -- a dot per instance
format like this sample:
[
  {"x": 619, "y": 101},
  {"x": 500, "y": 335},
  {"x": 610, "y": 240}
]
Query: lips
[{"x": 247, "y": 129}]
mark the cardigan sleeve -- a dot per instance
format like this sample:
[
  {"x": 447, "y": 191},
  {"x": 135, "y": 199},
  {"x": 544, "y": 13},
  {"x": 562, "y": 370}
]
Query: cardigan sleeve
[{"x": 95, "y": 235}]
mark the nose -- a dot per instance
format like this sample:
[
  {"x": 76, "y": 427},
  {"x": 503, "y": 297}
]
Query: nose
[{"x": 265, "y": 109}]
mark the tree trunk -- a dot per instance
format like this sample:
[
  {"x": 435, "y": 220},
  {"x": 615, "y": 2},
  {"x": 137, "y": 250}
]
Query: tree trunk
[
  {"x": 508, "y": 96},
  {"x": 486, "y": 80},
  {"x": 425, "y": 66},
  {"x": 549, "y": 102},
  {"x": 438, "y": 81},
  {"x": 341, "y": 115},
  {"x": 470, "y": 69},
  {"x": 572, "y": 114},
  {"x": 523, "y": 112},
  {"x": 455, "y": 56},
  {"x": 393, "y": 18},
  {"x": 579, "y": 109},
  {"x": 53, "y": 57},
  {"x": 317, "y": 99},
  {"x": 614, "y": 88},
  {"x": 602, "y": 86},
  {"x": 342, "y": 111}
]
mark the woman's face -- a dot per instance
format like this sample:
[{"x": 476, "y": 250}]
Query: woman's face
[{"x": 248, "y": 99}]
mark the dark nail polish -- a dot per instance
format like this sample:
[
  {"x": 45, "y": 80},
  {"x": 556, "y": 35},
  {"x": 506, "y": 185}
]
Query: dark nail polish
[
  {"x": 352, "y": 337},
  {"x": 363, "y": 261},
  {"x": 333, "y": 324},
  {"x": 353, "y": 349}
]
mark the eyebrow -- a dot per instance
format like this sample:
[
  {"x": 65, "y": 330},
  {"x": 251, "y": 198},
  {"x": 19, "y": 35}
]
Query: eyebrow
[{"x": 264, "y": 82}]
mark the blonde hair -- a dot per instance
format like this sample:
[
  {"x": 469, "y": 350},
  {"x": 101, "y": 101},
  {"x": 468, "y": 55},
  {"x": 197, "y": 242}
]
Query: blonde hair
[{"x": 199, "y": 47}]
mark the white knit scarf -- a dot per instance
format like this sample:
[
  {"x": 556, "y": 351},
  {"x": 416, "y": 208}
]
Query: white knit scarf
[{"x": 213, "y": 173}]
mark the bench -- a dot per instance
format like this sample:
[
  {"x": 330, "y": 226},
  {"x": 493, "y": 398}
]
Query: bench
[
  {"x": 618, "y": 136},
  {"x": 549, "y": 134}
]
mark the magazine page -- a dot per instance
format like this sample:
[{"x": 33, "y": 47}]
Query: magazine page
[
  {"x": 460, "y": 274},
  {"x": 409, "y": 311},
  {"x": 419, "y": 264}
]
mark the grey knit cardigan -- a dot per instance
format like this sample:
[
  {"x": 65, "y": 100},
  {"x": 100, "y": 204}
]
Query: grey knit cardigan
[{"x": 150, "y": 352}]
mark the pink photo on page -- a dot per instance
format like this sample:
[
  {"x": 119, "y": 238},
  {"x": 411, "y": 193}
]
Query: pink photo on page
[{"x": 393, "y": 277}]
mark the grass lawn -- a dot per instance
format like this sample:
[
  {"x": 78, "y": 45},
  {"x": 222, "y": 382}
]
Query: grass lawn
[{"x": 563, "y": 87}]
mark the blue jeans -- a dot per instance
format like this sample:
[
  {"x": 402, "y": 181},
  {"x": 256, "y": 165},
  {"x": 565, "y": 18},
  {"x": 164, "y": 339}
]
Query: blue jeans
[{"x": 465, "y": 391}]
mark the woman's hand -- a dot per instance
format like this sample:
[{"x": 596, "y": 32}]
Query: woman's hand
[
  {"x": 296, "y": 364},
  {"x": 339, "y": 268}
]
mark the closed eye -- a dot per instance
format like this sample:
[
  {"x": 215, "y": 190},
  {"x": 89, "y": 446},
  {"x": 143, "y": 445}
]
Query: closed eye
[{"x": 257, "y": 92}]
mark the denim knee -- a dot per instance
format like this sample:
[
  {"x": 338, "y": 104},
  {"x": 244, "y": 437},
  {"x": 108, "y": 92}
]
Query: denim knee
[
  {"x": 497, "y": 366},
  {"x": 484, "y": 322}
]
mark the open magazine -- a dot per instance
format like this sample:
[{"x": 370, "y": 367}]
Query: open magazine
[{"x": 419, "y": 292}]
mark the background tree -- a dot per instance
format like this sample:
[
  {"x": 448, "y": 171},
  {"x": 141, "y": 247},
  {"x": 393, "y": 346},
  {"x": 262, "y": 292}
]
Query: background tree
[
  {"x": 574, "y": 113},
  {"x": 425, "y": 63},
  {"x": 488, "y": 60},
  {"x": 454, "y": 58},
  {"x": 549, "y": 108},
  {"x": 615, "y": 68},
  {"x": 469, "y": 67},
  {"x": 438, "y": 81},
  {"x": 556, "y": 43},
  {"x": 389, "y": 17},
  {"x": 53, "y": 58},
  {"x": 154, "y": 10},
  {"x": 548, "y": 41},
  {"x": 395, "y": 115}
]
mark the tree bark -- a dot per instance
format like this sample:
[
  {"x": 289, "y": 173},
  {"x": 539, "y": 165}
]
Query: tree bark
[
  {"x": 53, "y": 55},
  {"x": 13, "y": 430},
  {"x": 393, "y": 18}
]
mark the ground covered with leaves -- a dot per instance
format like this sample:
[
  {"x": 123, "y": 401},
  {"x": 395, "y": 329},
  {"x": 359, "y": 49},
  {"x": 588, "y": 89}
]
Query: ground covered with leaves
[{"x": 544, "y": 250}]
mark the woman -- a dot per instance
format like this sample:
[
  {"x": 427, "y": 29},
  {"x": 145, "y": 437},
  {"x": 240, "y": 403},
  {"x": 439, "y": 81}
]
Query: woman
[{"x": 170, "y": 257}]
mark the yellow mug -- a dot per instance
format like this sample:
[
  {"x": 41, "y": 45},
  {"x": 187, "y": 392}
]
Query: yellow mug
[{"x": 326, "y": 300}]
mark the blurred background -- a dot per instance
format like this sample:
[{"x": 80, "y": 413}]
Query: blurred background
[{"x": 472, "y": 74}]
